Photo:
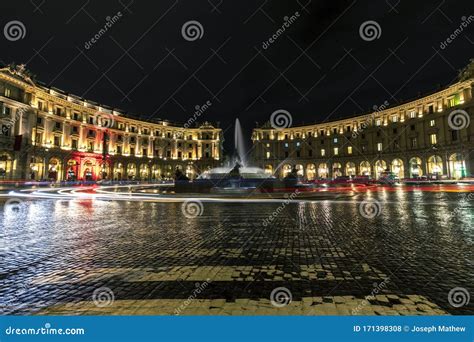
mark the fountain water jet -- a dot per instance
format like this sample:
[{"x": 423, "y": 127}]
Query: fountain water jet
[
  {"x": 239, "y": 145},
  {"x": 238, "y": 177}
]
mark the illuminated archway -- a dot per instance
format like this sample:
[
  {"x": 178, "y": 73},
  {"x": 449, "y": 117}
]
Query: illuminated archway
[
  {"x": 310, "y": 171},
  {"x": 89, "y": 170},
  {"x": 72, "y": 170},
  {"x": 435, "y": 165},
  {"x": 365, "y": 168},
  {"x": 131, "y": 171},
  {"x": 37, "y": 168},
  {"x": 156, "y": 172},
  {"x": 286, "y": 170},
  {"x": 323, "y": 170},
  {"x": 397, "y": 168},
  {"x": 415, "y": 167},
  {"x": 118, "y": 171},
  {"x": 144, "y": 171},
  {"x": 336, "y": 170},
  {"x": 299, "y": 170},
  {"x": 380, "y": 166},
  {"x": 54, "y": 169},
  {"x": 457, "y": 166}
]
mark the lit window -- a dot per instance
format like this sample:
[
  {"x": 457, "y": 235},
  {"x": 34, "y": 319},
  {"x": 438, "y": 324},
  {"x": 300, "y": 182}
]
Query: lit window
[
  {"x": 379, "y": 147},
  {"x": 433, "y": 139},
  {"x": 298, "y": 144},
  {"x": 432, "y": 123},
  {"x": 412, "y": 114},
  {"x": 336, "y": 151},
  {"x": 335, "y": 140},
  {"x": 395, "y": 118},
  {"x": 323, "y": 152},
  {"x": 286, "y": 144},
  {"x": 349, "y": 149},
  {"x": 378, "y": 122},
  {"x": 8, "y": 92},
  {"x": 268, "y": 145},
  {"x": 268, "y": 155}
]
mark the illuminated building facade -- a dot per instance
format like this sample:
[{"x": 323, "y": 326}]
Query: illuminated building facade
[
  {"x": 48, "y": 134},
  {"x": 432, "y": 135}
]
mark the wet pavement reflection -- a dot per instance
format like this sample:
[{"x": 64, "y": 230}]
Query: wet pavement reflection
[{"x": 418, "y": 244}]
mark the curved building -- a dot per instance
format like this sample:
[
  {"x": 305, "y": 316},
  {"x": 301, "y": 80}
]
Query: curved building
[
  {"x": 49, "y": 134},
  {"x": 430, "y": 136}
]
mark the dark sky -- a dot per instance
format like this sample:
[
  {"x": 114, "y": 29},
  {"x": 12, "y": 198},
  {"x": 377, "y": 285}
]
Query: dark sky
[{"x": 319, "y": 69}]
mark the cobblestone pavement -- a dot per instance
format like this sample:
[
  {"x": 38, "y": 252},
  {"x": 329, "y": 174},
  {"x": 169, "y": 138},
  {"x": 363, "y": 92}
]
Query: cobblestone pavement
[{"x": 320, "y": 258}]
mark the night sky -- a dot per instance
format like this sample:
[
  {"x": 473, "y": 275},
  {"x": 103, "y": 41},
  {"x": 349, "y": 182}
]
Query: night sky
[{"x": 319, "y": 69}]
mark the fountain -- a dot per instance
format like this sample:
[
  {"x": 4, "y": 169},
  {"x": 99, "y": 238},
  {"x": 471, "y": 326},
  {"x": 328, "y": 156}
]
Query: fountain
[{"x": 236, "y": 177}]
